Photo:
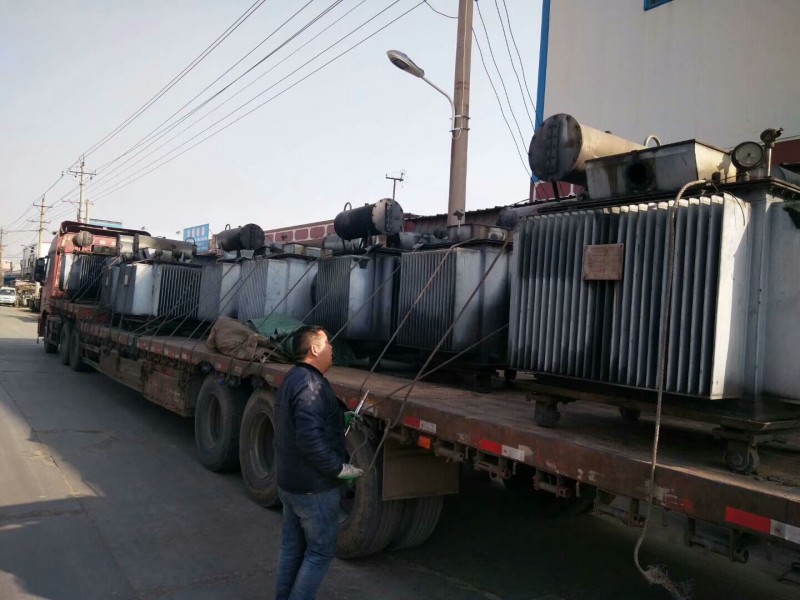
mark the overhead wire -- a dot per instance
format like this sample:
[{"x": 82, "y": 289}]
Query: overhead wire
[
  {"x": 500, "y": 104},
  {"x": 499, "y": 73},
  {"x": 137, "y": 176},
  {"x": 151, "y": 137},
  {"x": 521, "y": 63},
  {"x": 207, "y": 114},
  {"x": 186, "y": 70},
  {"x": 513, "y": 66}
]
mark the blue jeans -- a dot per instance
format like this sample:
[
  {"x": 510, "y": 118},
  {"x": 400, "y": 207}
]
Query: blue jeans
[{"x": 310, "y": 526}]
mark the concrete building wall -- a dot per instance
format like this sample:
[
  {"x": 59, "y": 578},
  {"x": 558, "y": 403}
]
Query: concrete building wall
[{"x": 717, "y": 70}]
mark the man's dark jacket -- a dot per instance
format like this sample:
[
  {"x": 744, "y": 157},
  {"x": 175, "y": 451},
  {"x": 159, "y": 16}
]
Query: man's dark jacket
[{"x": 309, "y": 432}]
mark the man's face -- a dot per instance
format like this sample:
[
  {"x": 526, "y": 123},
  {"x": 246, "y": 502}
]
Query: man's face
[{"x": 323, "y": 352}]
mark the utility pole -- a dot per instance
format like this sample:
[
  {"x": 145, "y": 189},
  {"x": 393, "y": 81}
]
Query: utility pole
[
  {"x": 2, "y": 268},
  {"x": 395, "y": 180},
  {"x": 458, "y": 149},
  {"x": 83, "y": 210},
  {"x": 42, "y": 208}
]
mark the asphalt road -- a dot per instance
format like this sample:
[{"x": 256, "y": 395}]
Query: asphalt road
[{"x": 101, "y": 498}]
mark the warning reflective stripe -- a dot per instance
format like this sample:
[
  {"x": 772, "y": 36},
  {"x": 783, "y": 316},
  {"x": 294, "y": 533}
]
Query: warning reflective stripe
[
  {"x": 513, "y": 453},
  {"x": 501, "y": 450},
  {"x": 490, "y": 446},
  {"x": 747, "y": 519},
  {"x": 415, "y": 423},
  {"x": 762, "y": 524},
  {"x": 787, "y": 532}
]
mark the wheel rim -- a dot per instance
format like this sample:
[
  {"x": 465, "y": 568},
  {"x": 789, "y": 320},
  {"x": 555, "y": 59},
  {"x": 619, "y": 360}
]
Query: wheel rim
[
  {"x": 213, "y": 421},
  {"x": 262, "y": 453}
]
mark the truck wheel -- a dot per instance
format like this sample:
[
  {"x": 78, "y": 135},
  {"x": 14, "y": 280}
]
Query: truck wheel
[
  {"x": 419, "y": 520},
  {"x": 256, "y": 452},
  {"x": 217, "y": 418},
  {"x": 63, "y": 344},
  {"x": 49, "y": 347},
  {"x": 75, "y": 359},
  {"x": 366, "y": 523}
]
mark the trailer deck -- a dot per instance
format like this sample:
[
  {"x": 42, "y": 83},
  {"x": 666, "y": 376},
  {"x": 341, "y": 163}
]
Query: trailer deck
[{"x": 591, "y": 445}]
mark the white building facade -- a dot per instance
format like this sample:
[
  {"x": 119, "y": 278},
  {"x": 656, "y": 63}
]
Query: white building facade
[{"x": 720, "y": 71}]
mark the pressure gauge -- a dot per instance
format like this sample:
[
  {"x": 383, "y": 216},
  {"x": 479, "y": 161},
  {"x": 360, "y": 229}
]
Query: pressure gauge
[{"x": 747, "y": 155}]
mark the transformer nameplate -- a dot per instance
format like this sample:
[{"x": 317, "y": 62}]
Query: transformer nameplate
[{"x": 603, "y": 262}]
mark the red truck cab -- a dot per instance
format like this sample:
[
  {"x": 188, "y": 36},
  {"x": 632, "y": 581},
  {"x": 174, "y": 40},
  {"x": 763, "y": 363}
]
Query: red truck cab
[{"x": 52, "y": 271}]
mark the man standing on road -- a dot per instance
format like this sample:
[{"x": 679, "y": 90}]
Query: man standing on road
[{"x": 310, "y": 454}]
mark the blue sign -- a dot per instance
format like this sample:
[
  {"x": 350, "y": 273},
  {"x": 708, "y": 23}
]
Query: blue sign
[{"x": 200, "y": 235}]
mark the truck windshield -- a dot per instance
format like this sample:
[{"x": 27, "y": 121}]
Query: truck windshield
[{"x": 7, "y": 292}]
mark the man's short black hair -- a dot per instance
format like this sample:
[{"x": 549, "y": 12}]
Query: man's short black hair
[{"x": 304, "y": 338}]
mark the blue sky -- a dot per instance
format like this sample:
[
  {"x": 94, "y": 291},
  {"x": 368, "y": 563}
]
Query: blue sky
[{"x": 73, "y": 71}]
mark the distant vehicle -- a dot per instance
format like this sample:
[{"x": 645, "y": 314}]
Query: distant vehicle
[{"x": 8, "y": 296}]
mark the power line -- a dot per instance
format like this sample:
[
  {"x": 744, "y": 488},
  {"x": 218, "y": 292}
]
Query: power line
[
  {"x": 218, "y": 93},
  {"x": 438, "y": 12},
  {"x": 499, "y": 74},
  {"x": 240, "y": 107},
  {"x": 27, "y": 210},
  {"x": 499, "y": 103},
  {"x": 238, "y": 62},
  {"x": 186, "y": 70},
  {"x": 132, "y": 178},
  {"x": 513, "y": 66},
  {"x": 521, "y": 63}
]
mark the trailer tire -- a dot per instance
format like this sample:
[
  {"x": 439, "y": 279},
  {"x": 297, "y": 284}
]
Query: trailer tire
[
  {"x": 75, "y": 359},
  {"x": 64, "y": 343},
  {"x": 217, "y": 418},
  {"x": 256, "y": 453},
  {"x": 366, "y": 523},
  {"x": 419, "y": 519}
]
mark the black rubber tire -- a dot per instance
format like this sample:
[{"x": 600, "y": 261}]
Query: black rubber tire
[
  {"x": 63, "y": 343},
  {"x": 217, "y": 419},
  {"x": 419, "y": 520},
  {"x": 49, "y": 347},
  {"x": 630, "y": 414},
  {"x": 370, "y": 523},
  {"x": 256, "y": 453},
  {"x": 75, "y": 358}
]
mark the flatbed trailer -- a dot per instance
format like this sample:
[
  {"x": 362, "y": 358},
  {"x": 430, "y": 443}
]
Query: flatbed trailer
[{"x": 592, "y": 460}]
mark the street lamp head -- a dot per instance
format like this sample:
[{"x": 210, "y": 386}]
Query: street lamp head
[{"x": 401, "y": 61}]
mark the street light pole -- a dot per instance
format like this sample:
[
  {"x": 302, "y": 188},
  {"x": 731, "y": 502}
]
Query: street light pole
[{"x": 458, "y": 148}]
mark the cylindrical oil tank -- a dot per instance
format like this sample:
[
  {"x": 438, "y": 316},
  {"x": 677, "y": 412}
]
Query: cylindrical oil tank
[
  {"x": 178, "y": 248},
  {"x": 561, "y": 146},
  {"x": 247, "y": 237},
  {"x": 385, "y": 217}
]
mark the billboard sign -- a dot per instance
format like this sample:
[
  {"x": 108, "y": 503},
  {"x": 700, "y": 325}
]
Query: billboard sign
[{"x": 200, "y": 235}]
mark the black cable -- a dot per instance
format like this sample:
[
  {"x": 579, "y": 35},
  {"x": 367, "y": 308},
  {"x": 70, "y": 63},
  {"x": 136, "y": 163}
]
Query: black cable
[
  {"x": 513, "y": 66},
  {"x": 242, "y": 18},
  {"x": 499, "y": 73},
  {"x": 106, "y": 189},
  {"x": 131, "y": 179},
  {"x": 521, "y": 64},
  {"x": 439, "y": 12},
  {"x": 149, "y": 136},
  {"x": 500, "y": 104},
  {"x": 206, "y": 115}
]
